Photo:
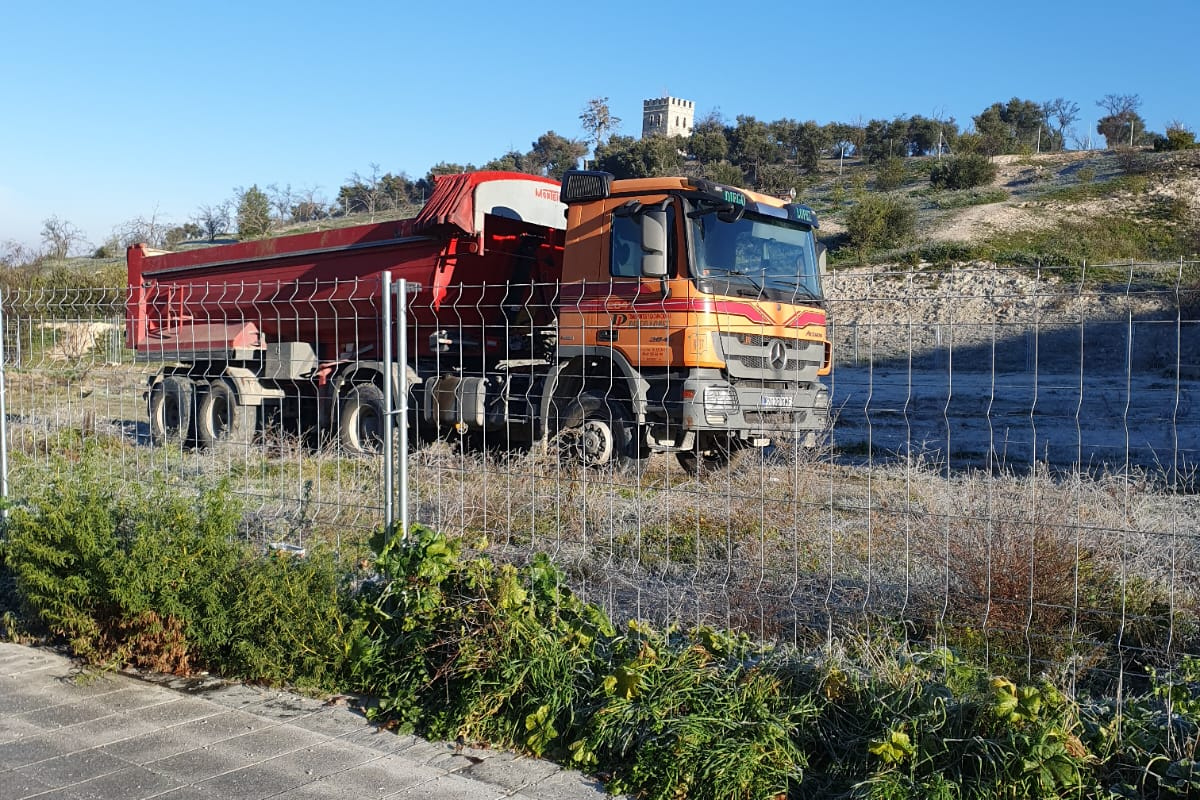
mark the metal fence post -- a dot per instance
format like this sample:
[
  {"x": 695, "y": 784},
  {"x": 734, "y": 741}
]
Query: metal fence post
[
  {"x": 402, "y": 343},
  {"x": 389, "y": 485},
  {"x": 3, "y": 411}
]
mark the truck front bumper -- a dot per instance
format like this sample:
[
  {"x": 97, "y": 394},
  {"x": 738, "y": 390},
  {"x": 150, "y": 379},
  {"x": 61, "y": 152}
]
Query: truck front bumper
[{"x": 753, "y": 410}]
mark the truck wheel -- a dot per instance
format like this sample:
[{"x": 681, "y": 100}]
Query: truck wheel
[
  {"x": 360, "y": 429},
  {"x": 598, "y": 433},
  {"x": 172, "y": 403},
  {"x": 708, "y": 456},
  {"x": 222, "y": 418}
]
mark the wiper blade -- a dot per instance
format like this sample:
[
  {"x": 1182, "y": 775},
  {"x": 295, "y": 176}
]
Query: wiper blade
[
  {"x": 798, "y": 288},
  {"x": 738, "y": 273}
]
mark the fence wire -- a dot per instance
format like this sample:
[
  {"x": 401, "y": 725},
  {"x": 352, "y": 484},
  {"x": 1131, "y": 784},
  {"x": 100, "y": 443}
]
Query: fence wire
[{"x": 1011, "y": 466}]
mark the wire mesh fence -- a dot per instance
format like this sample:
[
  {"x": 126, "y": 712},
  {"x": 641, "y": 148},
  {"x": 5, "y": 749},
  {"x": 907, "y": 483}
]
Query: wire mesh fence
[{"x": 1010, "y": 467}]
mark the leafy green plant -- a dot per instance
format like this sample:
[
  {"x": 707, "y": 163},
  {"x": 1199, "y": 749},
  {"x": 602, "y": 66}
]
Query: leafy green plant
[
  {"x": 878, "y": 221},
  {"x": 155, "y": 577},
  {"x": 963, "y": 172}
]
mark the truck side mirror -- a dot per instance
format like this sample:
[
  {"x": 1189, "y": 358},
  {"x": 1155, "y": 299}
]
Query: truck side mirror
[
  {"x": 822, "y": 258},
  {"x": 654, "y": 243}
]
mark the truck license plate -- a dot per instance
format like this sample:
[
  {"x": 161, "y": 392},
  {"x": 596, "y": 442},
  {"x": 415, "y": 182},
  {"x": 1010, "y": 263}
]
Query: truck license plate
[{"x": 776, "y": 401}]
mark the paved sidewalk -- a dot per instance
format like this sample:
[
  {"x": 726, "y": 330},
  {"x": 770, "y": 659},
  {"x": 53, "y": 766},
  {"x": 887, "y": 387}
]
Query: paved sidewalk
[{"x": 67, "y": 735}]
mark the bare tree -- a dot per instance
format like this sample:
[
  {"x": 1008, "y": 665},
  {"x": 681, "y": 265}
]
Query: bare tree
[
  {"x": 598, "y": 121},
  {"x": 282, "y": 200},
  {"x": 15, "y": 254},
  {"x": 310, "y": 205},
  {"x": 1118, "y": 105},
  {"x": 1064, "y": 112},
  {"x": 61, "y": 237},
  {"x": 152, "y": 230},
  {"x": 213, "y": 219}
]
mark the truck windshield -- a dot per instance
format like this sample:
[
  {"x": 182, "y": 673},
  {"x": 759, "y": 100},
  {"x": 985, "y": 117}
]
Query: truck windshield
[{"x": 755, "y": 256}]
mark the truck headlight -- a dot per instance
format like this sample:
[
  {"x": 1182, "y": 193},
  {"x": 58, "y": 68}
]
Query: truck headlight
[{"x": 720, "y": 398}]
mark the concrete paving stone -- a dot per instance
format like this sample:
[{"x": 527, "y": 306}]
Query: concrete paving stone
[
  {"x": 284, "y": 707},
  {"x": 64, "y": 714},
  {"x": 450, "y": 787},
  {"x": 270, "y": 742},
  {"x": 511, "y": 772},
  {"x": 30, "y": 750},
  {"x": 424, "y": 752},
  {"x": 12, "y": 728},
  {"x": 130, "y": 697},
  {"x": 333, "y": 721},
  {"x": 200, "y": 764},
  {"x": 23, "y": 699},
  {"x": 253, "y": 782},
  {"x": 187, "y": 793},
  {"x": 131, "y": 783},
  {"x": 331, "y": 756},
  {"x": 74, "y": 768},
  {"x": 380, "y": 740},
  {"x": 160, "y": 744},
  {"x": 375, "y": 779},
  {"x": 174, "y": 712},
  {"x": 14, "y": 785},
  {"x": 566, "y": 785},
  {"x": 103, "y": 730},
  {"x": 237, "y": 695}
]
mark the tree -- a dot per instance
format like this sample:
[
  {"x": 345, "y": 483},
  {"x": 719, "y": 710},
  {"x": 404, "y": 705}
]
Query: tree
[
  {"x": 1010, "y": 127},
  {"x": 424, "y": 187},
  {"x": 709, "y": 143},
  {"x": 61, "y": 237},
  {"x": 253, "y": 212},
  {"x": 552, "y": 155},
  {"x": 1122, "y": 125},
  {"x": 751, "y": 145},
  {"x": 1064, "y": 114},
  {"x": 282, "y": 200},
  {"x": 181, "y": 233},
  {"x": 626, "y": 157},
  {"x": 310, "y": 206},
  {"x": 213, "y": 220},
  {"x": 512, "y": 161},
  {"x": 152, "y": 230},
  {"x": 598, "y": 121}
]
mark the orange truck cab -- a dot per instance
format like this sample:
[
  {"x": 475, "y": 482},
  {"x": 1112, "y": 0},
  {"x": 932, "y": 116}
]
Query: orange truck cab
[{"x": 703, "y": 303}]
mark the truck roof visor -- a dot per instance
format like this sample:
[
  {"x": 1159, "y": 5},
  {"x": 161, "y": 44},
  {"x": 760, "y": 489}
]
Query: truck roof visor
[{"x": 579, "y": 185}]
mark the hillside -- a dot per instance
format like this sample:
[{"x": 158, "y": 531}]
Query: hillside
[{"x": 1053, "y": 208}]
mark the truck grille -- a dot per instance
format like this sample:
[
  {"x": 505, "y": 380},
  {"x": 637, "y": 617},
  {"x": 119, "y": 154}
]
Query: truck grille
[{"x": 749, "y": 356}]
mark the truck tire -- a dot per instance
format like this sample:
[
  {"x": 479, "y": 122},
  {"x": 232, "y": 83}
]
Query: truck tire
[
  {"x": 708, "y": 456},
  {"x": 360, "y": 427},
  {"x": 221, "y": 418},
  {"x": 598, "y": 433},
  {"x": 172, "y": 408}
]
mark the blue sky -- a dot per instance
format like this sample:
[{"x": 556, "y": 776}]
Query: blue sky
[{"x": 122, "y": 109}]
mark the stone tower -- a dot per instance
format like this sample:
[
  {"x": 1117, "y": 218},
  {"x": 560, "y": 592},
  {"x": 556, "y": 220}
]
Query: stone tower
[{"x": 668, "y": 116}]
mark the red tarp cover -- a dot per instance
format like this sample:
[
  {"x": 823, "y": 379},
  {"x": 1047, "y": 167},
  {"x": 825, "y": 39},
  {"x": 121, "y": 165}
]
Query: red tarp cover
[{"x": 453, "y": 199}]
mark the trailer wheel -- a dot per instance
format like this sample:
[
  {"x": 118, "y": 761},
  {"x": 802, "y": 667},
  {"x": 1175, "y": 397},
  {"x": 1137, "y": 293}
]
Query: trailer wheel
[
  {"x": 363, "y": 416},
  {"x": 598, "y": 433},
  {"x": 222, "y": 418},
  {"x": 709, "y": 455},
  {"x": 172, "y": 406}
]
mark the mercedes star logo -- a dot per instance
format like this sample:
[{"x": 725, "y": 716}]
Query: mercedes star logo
[{"x": 778, "y": 355}]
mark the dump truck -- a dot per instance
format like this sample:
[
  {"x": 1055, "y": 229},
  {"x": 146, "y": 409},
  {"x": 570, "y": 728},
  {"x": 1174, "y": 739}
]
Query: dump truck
[{"x": 611, "y": 318}]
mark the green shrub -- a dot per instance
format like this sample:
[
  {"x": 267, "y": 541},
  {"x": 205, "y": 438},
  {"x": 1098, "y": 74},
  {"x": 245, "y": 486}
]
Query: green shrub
[
  {"x": 155, "y": 577},
  {"x": 465, "y": 647},
  {"x": 1178, "y": 137},
  {"x": 878, "y": 221},
  {"x": 889, "y": 174},
  {"x": 963, "y": 172}
]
